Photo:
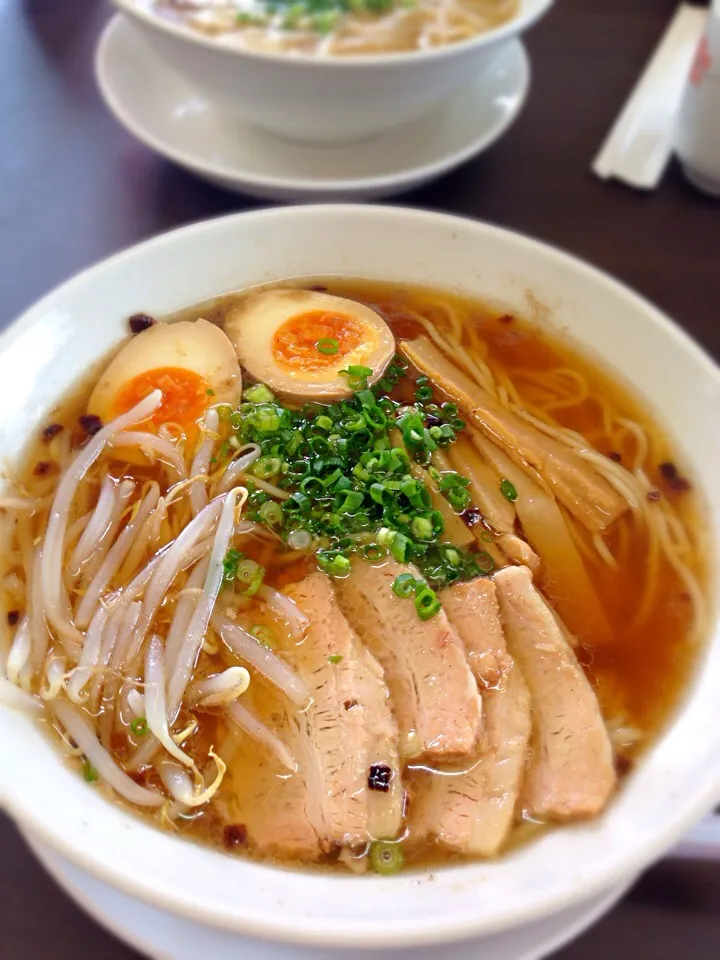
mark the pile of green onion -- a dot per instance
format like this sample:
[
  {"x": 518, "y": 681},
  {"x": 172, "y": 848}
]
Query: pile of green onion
[{"x": 351, "y": 490}]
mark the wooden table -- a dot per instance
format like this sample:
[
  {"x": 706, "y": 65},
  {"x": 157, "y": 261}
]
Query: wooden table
[{"x": 75, "y": 188}]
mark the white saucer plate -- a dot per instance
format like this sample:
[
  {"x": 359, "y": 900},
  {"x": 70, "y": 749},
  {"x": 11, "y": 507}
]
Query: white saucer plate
[
  {"x": 164, "y": 936},
  {"x": 159, "y": 108}
]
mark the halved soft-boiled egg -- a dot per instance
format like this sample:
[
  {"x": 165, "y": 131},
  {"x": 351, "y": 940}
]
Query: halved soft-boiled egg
[
  {"x": 192, "y": 362},
  {"x": 298, "y": 341}
]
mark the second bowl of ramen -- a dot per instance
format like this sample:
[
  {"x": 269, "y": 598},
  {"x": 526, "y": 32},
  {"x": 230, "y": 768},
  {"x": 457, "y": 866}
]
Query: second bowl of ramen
[{"x": 330, "y": 70}]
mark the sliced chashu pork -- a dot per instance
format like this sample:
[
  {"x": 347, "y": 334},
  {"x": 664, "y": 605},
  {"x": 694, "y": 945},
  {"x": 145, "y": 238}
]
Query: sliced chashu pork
[
  {"x": 348, "y": 736},
  {"x": 472, "y": 609},
  {"x": 433, "y": 691},
  {"x": 472, "y": 812},
  {"x": 260, "y": 793},
  {"x": 575, "y": 482},
  {"x": 571, "y": 774}
]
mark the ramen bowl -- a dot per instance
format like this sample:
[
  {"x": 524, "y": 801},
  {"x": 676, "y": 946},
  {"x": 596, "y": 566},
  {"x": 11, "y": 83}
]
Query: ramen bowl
[
  {"x": 324, "y": 99},
  {"x": 58, "y": 340}
]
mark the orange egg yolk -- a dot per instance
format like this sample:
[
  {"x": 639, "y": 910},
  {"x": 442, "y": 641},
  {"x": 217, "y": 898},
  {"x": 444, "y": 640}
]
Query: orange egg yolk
[
  {"x": 184, "y": 401},
  {"x": 317, "y": 340}
]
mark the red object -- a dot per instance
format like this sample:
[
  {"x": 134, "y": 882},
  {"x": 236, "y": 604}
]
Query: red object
[{"x": 703, "y": 62}]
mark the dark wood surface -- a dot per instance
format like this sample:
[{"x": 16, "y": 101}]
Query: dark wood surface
[{"x": 75, "y": 188}]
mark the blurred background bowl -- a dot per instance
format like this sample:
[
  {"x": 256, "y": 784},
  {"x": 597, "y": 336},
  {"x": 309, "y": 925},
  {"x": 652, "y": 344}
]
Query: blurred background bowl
[{"x": 325, "y": 99}]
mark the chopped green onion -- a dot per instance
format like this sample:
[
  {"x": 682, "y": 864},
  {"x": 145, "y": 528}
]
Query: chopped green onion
[
  {"x": 458, "y": 498},
  {"x": 230, "y": 564},
  {"x": 351, "y": 491},
  {"x": 209, "y": 392},
  {"x": 380, "y": 493},
  {"x": 426, "y": 603},
  {"x": 400, "y": 547},
  {"x": 264, "y": 635},
  {"x": 359, "y": 371},
  {"x": 293, "y": 16},
  {"x": 333, "y": 563},
  {"x": 327, "y": 345},
  {"x": 335, "y": 658},
  {"x": 266, "y": 418},
  {"x": 325, "y": 20},
  {"x": 451, "y": 555},
  {"x": 299, "y": 469},
  {"x": 246, "y": 19},
  {"x": 312, "y": 486},
  {"x": 298, "y": 501},
  {"x": 375, "y": 418},
  {"x": 354, "y": 425},
  {"x": 422, "y": 528},
  {"x": 373, "y": 552},
  {"x": 455, "y": 489},
  {"x": 319, "y": 446},
  {"x": 299, "y": 539},
  {"x": 89, "y": 772},
  {"x": 266, "y": 467},
  {"x": 271, "y": 513},
  {"x": 351, "y": 502},
  {"x": 415, "y": 492},
  {"x": 404, "y": 585},
  {"x": 385, "y": 536},
  {"x": 508, "y": 490},
  {"x": 386, "y": 857},
  {"x": 484, "y": 561},
  {"x": 259, "y": 393},
  {"x": 332, "y": 479},
  {"x": 357, "y": 376},
  {"x": 139, "y": 726},
  {"x": 250, "y": 575}
]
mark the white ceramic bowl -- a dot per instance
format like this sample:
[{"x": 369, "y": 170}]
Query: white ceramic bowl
[
  {"x": 59, "y": 338},
  {"x": 324, "y": 99}
]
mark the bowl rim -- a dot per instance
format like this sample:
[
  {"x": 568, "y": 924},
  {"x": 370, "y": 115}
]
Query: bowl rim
[
  {"x": 516, "y": 24},
  {"x": 697, "y": 800},
  {"x": 595, "y": 909},
  {"x": 404, "y": 178}
]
